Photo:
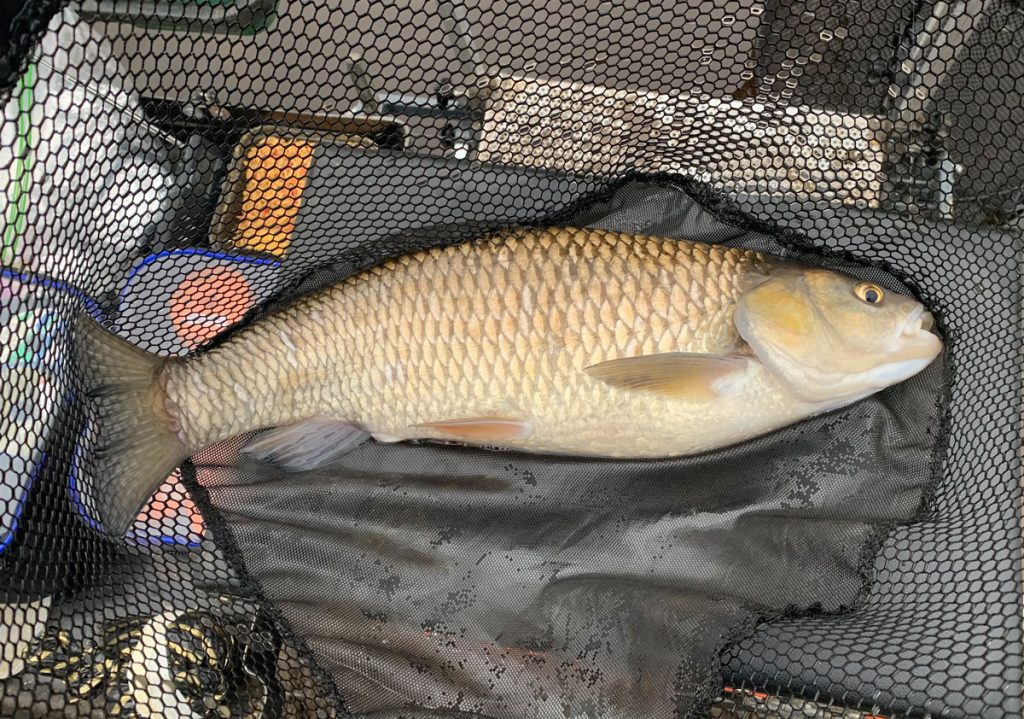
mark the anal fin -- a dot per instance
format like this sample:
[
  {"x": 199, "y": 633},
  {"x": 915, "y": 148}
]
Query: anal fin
[
  {"x": 482, "y": 429},
  {"x": 306, "y": 444}
]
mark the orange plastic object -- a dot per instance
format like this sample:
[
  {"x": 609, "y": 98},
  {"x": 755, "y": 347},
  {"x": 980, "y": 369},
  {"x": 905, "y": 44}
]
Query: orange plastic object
[
  {"x": 170, "y": 513},
  {"x": 208, "y": 301},
  {"x": 275, "y": 176}
]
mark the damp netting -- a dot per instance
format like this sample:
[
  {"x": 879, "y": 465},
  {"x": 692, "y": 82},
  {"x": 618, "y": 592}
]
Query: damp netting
[{"x": 175, "y": 168}]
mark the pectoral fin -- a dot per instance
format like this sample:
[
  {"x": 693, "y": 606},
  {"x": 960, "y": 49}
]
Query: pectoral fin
[
  {"x": 306, "y": 444},
  {"x": 482, "y": 429},
  {"x": 675, "y": 374}
]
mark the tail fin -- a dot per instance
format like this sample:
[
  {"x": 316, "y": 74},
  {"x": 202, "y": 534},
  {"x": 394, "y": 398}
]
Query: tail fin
[{"x": 136, "y": 447}]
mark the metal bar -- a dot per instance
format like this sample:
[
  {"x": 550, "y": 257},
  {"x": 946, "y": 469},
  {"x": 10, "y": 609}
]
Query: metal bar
[
  {"x": 454, "y": 22},
  {"x": 942, "y": 38},
  {"x": 360, "y": 76}
]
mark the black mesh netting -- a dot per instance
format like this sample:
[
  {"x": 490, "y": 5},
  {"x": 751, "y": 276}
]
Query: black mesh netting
[{"x": 177, "y": 168}]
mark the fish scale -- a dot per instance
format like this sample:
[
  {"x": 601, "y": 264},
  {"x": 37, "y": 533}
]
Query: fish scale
[{"x": 456, "y": 333}]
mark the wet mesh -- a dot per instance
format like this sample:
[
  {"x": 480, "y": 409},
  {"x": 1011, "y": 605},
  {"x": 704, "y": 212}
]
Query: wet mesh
[{"x": 176, "y": 168}]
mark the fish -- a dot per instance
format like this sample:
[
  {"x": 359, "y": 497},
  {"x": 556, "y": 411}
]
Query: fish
[{"x": 581, "y": 342}]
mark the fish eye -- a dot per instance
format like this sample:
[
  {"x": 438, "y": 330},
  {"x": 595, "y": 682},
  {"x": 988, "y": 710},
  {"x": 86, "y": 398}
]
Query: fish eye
[{"x": 872, "y": 294}]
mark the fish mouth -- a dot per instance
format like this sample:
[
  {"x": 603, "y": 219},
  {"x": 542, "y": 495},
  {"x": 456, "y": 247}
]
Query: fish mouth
[
  {"x": 916, "y": 341},
  {"x": 915, "y": 348},
  {"x": 920, "y": 320}
]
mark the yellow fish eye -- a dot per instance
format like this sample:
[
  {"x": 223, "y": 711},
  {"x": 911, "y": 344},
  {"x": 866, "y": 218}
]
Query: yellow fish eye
[{"x": 872, "y": 294}]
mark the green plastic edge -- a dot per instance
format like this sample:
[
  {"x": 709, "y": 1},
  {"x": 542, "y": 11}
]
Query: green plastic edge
[{"x": 21, "y": 170}]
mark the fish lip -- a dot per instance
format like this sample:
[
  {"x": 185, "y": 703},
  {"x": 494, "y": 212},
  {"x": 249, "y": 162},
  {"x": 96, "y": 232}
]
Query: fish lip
[
  {"x": 920, "y": 321},
  {"x": 927, "y": 321},
  {"x": 914, "y": 323},
  {"x": 916, "y": 341}
]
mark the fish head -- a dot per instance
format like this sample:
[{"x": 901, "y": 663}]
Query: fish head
[{"x": 831, "y": 338}]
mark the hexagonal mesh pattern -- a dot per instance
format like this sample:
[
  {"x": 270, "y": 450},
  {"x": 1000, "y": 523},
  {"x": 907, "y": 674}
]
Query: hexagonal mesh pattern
[{"x": 175, "y": 168}]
